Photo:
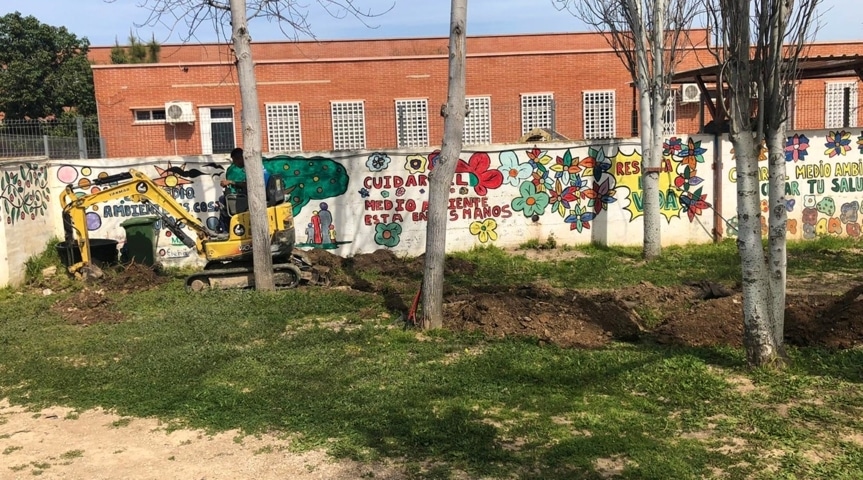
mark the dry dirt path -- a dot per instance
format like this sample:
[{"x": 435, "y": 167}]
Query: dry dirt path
[{"x": 59, "y": 443}]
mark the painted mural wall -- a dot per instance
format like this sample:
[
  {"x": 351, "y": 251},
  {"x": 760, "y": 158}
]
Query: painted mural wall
[
  {"x": 26, "y": 210},
  {"x": 503, "y": 195},
  {"x": 351, "y": 204},
  {"x": 823, "y": 188}
]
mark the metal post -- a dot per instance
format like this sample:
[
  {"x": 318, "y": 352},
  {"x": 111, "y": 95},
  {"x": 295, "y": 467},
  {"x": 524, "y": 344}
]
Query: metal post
[
  {"x": 102, "y": 148},
  {"x": 82, "y": 142},
  {"x": 47, "y": 148}
]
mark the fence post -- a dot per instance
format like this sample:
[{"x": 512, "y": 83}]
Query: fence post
[
  {"x": 47, "y": 148},
  {"x": 82, "y": 142},
  {"x": 102, "y": 148}
]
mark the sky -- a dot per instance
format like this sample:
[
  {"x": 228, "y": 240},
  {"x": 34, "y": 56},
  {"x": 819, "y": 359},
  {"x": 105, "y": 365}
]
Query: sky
[{"x": 104, "y": 22}]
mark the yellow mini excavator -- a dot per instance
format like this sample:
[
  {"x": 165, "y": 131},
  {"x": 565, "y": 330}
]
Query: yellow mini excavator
[{"x": 228, "y": 255}]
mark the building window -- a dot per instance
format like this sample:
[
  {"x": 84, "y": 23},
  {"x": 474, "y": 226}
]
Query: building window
[
  {"x": 839, "y": 112},
  {"x": 349, "y": 125},
  {"x": 537, "y": 111},
  {"x": 156, "y": 115},
  {"x": 217, "y": 130},
  {"x": 599, "y": 114},
  {"x": 412, "y": 123},
  {"x": 669, "y": 118},
  {"x": 477, "y": 123},
  {"x": 283, "y": 127}
]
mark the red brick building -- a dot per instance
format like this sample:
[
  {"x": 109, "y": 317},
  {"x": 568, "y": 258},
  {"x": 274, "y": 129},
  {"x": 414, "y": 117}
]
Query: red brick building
[{"x": 376, "y": 94}]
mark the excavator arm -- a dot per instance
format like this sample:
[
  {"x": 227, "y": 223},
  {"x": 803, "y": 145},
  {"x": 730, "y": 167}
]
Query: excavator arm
[{"x": 137, "y": 187}]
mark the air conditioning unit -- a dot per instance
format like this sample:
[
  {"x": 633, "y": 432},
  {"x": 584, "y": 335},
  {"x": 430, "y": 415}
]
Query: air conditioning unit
[
  {"x": 179, "y": 112},
  {"x": 690, "y": 93}
]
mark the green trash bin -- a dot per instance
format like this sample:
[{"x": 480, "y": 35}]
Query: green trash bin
[{"x": 140, "y": 240}]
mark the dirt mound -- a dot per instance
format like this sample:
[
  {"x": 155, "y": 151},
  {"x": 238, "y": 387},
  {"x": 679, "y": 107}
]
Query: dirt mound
[
  {"x": 688, "y": 315},
  {"x": 88, "y": 307},
  {"x": 563, "y": 317},
  {"x": 696, "y": 314},
  {"x": 93, "y": 304}
]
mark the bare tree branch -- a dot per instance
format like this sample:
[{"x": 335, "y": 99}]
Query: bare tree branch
[{"x": 186, "y": 17}]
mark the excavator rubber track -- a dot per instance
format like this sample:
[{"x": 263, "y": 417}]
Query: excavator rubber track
[{"x": 223, "y": 275}]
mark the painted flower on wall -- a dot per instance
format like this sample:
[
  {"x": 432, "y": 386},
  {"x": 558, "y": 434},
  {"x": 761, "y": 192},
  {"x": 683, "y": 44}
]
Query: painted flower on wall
[
  {"x": 852, "y": 229},
  {"x": 808, "y": 231},
  {"x": 685, "y": 179},
  {"x": 364, "y": 192},
  {"x": 484, "y": 230},
  {"x": 513, "y": 172},
  {"x": 791, "y": 226},
  {"x": 692, "y": 153},
  {"x": 530, "y": 201},
  {"x": 537, "y": 156},
  {"x": 596, "y": 163},
  {"x": 834, "y": 226},
  {"x": 694, "y": 204},
  {"x": 378, "y": 162},
  {"x": 579, "y": 218},
  {"x": 561, "y": 198},
  {"x": 415, "y": 164},
  {"x": 388, "y": 234},
  {"x": 601, "y": 195},
  {"x": 795, "y": 148},
  {"x": 480, "y": 177},
  {"x": 563, "y": 167},
  {"x": 860, "y": 142},
  {"x": 838, "y": 143},
  {"x": 672, "y": 147}
]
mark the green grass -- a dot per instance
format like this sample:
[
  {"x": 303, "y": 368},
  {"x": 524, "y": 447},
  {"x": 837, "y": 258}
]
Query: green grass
[{"x": 330, "y": 369}]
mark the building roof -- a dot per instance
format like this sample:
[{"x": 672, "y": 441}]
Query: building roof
[{"x": 832, "y": 66}]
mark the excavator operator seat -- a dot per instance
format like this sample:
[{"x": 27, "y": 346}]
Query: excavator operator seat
[{"x": 275, "y": 191}]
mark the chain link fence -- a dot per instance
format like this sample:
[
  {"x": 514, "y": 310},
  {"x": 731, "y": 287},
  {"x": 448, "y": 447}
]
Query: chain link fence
[{"x": 61, "y": 138}]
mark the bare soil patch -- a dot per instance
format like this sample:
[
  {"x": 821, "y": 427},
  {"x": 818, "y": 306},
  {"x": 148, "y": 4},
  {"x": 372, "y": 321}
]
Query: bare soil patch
[{"x": 698, "y": 314}]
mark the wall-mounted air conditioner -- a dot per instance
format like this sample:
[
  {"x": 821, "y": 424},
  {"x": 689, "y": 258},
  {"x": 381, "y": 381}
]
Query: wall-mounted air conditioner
[
  {"x": 690, "y": 93},
  {"x": 179, "y": 112}
]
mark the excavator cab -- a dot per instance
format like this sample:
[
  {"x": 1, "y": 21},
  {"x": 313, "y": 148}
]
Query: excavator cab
[{"x": 275, "y": 191}]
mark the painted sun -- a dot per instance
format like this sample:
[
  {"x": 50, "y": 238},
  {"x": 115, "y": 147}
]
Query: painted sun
[{"x": 168, "y": 178}]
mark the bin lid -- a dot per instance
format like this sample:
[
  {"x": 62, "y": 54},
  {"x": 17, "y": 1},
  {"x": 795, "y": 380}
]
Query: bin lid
[{"x": 144, "y": 220}]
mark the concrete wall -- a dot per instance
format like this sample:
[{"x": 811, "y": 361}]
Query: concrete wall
[
  {"x": 503, "y": 196},
  {"x": 26, "y": 215}
]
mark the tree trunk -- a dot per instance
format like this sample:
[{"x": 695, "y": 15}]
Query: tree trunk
[
  {"x": 441, "y": 177},
  {"x": 776, "y": 241},
  {"x": 650, "y": 176},
  {"x": 251, "y": 121},
  {"x": 758, "y": 334}
]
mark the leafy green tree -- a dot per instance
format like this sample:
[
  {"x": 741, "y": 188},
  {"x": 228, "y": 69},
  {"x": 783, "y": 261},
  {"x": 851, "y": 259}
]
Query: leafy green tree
[{"x": 45, "y": 69}]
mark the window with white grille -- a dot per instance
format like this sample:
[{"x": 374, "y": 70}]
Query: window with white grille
[
  {"x": 599, "y": 114},
  {"x": 156, "y": 115},
  {"x": 412, "y": 123},
  {"x": 349, "y": 125},
  {"x": 283, "y": 127},
  {"x": 537, "y": 111},
  {"x": 669, "y": 118},
  {"x": 477, "y": 123},
  {"x": 837, "y": 111}
]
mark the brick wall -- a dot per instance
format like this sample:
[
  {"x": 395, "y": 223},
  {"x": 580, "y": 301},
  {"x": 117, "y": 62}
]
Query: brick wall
[{"x": 378, "y": 72}]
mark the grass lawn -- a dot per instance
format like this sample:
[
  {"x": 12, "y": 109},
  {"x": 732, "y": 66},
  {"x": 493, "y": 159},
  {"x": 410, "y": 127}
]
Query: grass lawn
[{"x": 334, "y": 369}]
